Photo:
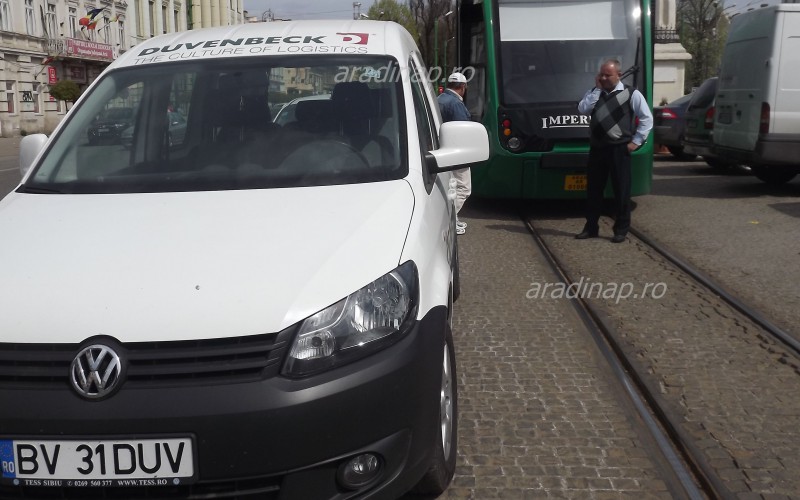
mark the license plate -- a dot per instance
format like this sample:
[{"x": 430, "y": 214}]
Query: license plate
[
  {"x": 102, "y": 130},
  {"x": 691, "y": 123},
  {"x": 725, "y": 117},
  {"x": 91, "y": 463},
  {"x": 575, "y": 183}
]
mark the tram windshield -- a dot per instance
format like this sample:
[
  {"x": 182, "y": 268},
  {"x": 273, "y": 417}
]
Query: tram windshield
[{"x": 550, "y": 51}]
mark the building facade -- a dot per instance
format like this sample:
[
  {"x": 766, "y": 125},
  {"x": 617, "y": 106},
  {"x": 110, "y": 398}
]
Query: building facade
[
  {"x": 43, "y": 42},
  {"x": 669, "y": 65}
]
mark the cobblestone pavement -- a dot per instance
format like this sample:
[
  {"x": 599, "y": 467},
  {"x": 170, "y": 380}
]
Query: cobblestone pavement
[
  {"x": 540, "y": 413},
  {"x": 743, "y": 232},
  {"x": 730, "y": 388}
]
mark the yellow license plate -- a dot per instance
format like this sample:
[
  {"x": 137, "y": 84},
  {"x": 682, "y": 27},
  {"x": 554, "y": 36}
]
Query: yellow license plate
[{"x": 575, "y": 183}]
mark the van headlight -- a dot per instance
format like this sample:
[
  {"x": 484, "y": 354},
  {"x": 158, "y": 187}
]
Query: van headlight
[{"x": 366, "y": 321}]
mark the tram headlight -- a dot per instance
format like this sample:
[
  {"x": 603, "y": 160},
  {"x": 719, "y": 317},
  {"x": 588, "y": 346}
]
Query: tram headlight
[{"x": 514, "y": 144}]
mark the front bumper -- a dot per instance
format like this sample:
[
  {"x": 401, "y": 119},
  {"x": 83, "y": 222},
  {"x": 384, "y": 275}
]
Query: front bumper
[{"x": 270, "y": 438}]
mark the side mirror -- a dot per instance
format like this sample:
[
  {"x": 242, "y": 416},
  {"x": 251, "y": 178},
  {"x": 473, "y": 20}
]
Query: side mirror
[
  {"x": 29, "y": 149},
  {"x": 461, "y": 144}
]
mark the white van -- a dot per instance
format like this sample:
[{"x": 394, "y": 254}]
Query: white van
[
  {"x": 228, "y": 306},
  {"x": 758, "y": 99}
]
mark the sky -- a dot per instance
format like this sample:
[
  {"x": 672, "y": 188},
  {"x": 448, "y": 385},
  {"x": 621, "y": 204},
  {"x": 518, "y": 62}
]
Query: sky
[{"x": 305, "y": 9}]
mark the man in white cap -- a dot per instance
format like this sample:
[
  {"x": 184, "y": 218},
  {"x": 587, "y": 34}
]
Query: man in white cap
[{"x": 451, "y": 104}]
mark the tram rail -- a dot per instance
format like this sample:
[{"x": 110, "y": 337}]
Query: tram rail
[
  {"x": 689, "y": 466},
  {"x": 705, "y": 280}
]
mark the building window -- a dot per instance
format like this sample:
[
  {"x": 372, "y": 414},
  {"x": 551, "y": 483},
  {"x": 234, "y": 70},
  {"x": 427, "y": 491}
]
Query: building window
[
  {"x": 50, "y": 21},
  {"x": 176, "y": 21},
  {"x": 5, "y": 16},
  {"x": 72, "y": 22},
  {"x": 153, "y": 17},
  {"x": 30, "y": 18},
  {"x": 164, "y": 19},
  {"x": 139, "y": 20},
  {"x": 121, "y": 33},
  {"x": 10, "y": 98},
  {"x": 87, "y": 33},
  {"x": 106, "y": 29}
]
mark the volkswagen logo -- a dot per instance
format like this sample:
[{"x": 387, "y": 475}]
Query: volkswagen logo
[{"x": 96, "y": 371}]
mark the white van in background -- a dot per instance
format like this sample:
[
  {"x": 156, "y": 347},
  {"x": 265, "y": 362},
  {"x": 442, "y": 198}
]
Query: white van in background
[{"x": 758, "y": 100}]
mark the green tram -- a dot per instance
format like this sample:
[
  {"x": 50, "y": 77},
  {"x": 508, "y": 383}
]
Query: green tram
[{"x": 528, "y": 65}]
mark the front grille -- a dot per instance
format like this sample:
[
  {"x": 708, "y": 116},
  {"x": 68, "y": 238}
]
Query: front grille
[
  {"x": 265, "y": 488},
  {"x": 190, "y": 362}
]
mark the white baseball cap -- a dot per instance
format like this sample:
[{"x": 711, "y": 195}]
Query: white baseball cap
[{"x": 457, "y": 78}]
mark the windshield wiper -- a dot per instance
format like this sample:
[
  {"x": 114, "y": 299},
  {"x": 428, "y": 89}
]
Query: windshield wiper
[{"x": 38, "y": 190}]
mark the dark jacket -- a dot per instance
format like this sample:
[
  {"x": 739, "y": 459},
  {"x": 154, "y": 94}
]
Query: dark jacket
[{"x": 452, "y": 108}]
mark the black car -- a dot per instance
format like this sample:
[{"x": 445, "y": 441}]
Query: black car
[
  {"x": 669, "y": 125},
  {"x": 108, "y": 126},
  {"x": 176, "y": 125},
  {"x": 699, "y": 135}
]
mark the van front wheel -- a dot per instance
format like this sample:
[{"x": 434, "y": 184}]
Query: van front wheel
[
  {"x": 443, "y": 451},
  {"x": 774, "y": 175}
]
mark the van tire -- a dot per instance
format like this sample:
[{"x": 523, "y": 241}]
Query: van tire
[
  {"x": 456, "y": 273},
  {"x": 443, "y": 464},
  {"x": 774, "y": 175}
]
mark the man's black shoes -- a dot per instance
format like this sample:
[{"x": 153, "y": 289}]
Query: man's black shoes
[
  {"x": 618, "y": 238},
  {"x": 585, "y": 235}
]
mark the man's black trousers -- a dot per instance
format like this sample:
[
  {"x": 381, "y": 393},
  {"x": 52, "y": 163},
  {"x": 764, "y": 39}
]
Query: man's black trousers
[{"x": 613, "y": 160}]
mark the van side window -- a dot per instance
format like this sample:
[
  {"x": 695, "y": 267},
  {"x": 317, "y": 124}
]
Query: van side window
[
  {"x": 425, "y": 121},
  {"x": 426, "y": 128}
]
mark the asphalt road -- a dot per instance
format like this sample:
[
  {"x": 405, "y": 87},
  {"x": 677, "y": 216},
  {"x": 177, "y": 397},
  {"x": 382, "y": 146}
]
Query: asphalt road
[{"x": 9, "y": 173}]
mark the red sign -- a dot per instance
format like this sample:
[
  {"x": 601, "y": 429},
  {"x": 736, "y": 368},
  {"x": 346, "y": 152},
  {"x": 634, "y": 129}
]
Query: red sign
[
  {"x": 89, "y": 50},
  {"x": 51, "y": 75}
]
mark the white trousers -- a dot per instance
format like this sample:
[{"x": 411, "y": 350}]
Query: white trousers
[{"x": 463, "y": 187}]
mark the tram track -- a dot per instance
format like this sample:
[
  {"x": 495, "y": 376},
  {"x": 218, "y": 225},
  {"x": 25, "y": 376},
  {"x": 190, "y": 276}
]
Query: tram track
[
  {"x": 692, "y": 473},
  {"x": 710, "y": 284},
  {"x": 712, "y": 372}
]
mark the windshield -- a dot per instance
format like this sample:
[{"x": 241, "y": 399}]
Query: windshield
[
  {"x": 209, "y": 126},
  {"x": 550, "y": 51}
]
